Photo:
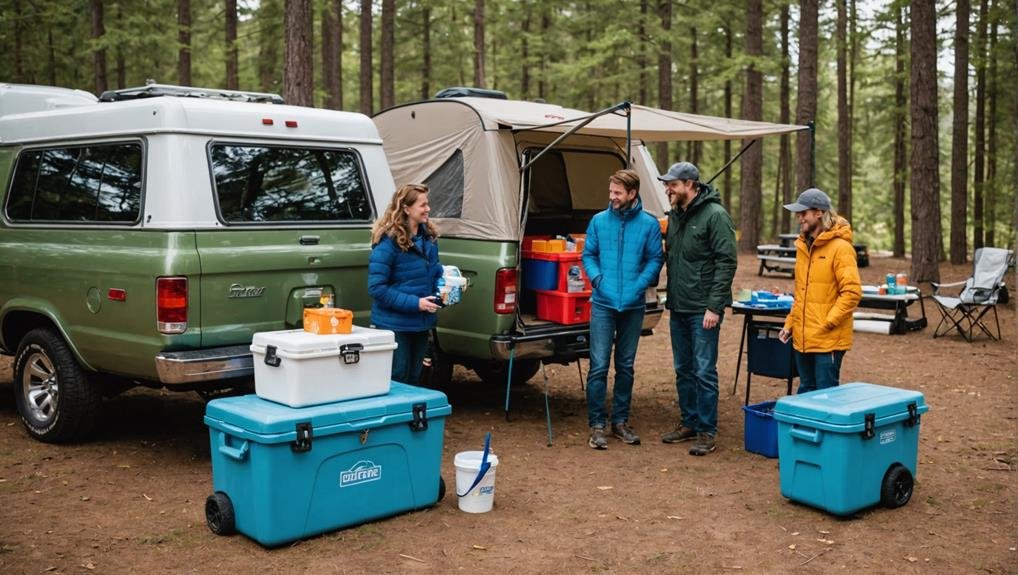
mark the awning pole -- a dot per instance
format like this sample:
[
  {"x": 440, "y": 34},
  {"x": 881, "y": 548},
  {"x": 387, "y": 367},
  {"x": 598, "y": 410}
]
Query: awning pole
[
  {"x": 571, "y": 131},
  {"x": 629, "y": 133},
  {"x": 732, "y": 161}
]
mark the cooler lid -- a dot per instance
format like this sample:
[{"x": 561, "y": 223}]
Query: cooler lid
[
  {"x": 300, "y": 342},
  {"x": 848, "y": 405},
  {"x": 264, "y": 421}
]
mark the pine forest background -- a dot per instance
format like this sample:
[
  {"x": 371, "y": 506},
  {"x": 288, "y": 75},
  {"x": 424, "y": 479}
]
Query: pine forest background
[{"x": 914, "y": 120}]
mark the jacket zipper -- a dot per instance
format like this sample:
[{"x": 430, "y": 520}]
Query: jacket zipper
[
  {"x": 809, "y": 266},
  {"x": 618, "y": 267}
]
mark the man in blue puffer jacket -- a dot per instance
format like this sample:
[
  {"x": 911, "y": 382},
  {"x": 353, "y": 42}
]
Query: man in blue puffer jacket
[{"x": 622, "y": 257}]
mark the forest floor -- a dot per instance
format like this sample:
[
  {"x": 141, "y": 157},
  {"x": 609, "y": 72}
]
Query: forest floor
[{"x": 131, "y": 499}]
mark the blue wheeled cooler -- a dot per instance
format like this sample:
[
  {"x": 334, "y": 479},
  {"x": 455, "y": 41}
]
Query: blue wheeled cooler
[
  {"x": 849, "y": 447},
  {"x": 281, "y": 473}
]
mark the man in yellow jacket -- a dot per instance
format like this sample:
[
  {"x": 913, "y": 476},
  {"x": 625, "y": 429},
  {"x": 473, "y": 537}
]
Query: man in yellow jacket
[{"x": 827, "y": 291}]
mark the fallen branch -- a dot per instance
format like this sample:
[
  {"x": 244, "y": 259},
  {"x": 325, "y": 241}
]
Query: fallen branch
[
  {"x": 814, "y": 557},
  {"x": 412, "y": 558}
]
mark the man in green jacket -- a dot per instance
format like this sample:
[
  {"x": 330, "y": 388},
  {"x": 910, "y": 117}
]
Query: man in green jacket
[{"x": 701, "y": 266}]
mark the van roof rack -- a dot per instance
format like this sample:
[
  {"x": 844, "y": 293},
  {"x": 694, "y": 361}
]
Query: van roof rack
[
  {"x": 156, "y": 90},
  {"x": 465, "y": 92}
]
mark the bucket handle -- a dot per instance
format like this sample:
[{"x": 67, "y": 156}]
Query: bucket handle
[{"x": 485, "y": 466}]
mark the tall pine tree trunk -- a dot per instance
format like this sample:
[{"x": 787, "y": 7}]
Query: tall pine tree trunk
[
  {"x": 332, "y": 50},
  {"x": 960, "y": 136},
  {"x": 98, "y": 53},
  {"x": 726, "y": 194},
  {"x": 844, "y": 121},
  {"x": 479, "y": 43},
  {"x": 990, "y": 212},
  {"x": 978, "y": 168},
  {"x": 806, "y": 106},
  {"x": 900, "y": 170},
  {"x": 641, "y": 55},
  {"x": 269, "y": 35},
  {"x": 184, "y": 42},
  {"x": 232, "y": 64},
  {"x": 19, "y": 57},
  {"x": 366, "y": 71},
  {"x": 664, "y": 75},
  {"x": 388, "y": 91},
  {"x": 925, "y": 157},
  {"x": 120, "y": 62},
  {"x": 784, "y": 151},
  {"x": 426, "y": 52},
  {"x": 694, "y": 80},
  {"x": 298, "y": 67},
  {"x": 545, "y": 25},
  {"x": 750, "y": 195}
]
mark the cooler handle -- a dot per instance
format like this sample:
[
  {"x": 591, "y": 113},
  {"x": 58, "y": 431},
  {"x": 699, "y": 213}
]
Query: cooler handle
[
  {"x": 811, "y": 435},
  {"x": 238, "y": 453}
]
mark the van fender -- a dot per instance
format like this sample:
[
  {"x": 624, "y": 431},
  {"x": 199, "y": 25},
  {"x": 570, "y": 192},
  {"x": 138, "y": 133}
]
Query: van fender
[{"x": 20, "y": 315}]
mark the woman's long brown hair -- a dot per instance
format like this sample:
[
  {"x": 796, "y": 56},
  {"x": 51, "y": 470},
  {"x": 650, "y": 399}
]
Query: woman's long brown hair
[{"x": 395, "y": 223}]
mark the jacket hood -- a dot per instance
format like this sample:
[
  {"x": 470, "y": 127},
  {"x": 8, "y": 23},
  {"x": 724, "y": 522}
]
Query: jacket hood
[
  {"x": 706, "y": 195},
  {"x": 842, "y": 229}
]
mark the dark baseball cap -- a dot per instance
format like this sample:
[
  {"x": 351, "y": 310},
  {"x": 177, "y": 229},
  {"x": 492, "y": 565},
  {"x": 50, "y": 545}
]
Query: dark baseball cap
[
  {"x": 681, "y": 171},
  {"x": 811, "y": 199}
]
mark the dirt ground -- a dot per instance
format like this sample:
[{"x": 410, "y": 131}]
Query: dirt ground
[{"x": 131, "y": 499}]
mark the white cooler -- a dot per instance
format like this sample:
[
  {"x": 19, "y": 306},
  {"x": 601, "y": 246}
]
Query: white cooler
[{"x": 298, "y": 368}]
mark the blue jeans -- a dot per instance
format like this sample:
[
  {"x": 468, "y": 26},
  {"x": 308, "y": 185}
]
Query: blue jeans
[
  {"x": 408, "y": 357},
  {"x": 623, "y": 328},
  {"x": 695, "y": 358},
  {"x": 818, "y": 370}
]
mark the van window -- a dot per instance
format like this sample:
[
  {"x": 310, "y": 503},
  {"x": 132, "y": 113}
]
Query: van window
[
  {"x": 285, "y": 184},
  {"x": 98, "y": 183},
  {"x": 445, "y": 188}
]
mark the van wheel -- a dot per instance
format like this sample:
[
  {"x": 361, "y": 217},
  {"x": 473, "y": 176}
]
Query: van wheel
[
  {"x": 53, "y": 396},
  {"x": 494, "y": 372},
  {"x": 896, "y": 488}
]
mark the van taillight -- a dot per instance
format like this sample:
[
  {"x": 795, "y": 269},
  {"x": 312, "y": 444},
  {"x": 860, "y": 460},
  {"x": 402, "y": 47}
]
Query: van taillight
[
  {"x": 505, "y": 290},
  {"x": 171, "y": 304}
]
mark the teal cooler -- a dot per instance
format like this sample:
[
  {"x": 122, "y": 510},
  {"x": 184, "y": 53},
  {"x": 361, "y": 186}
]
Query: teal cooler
[
  {"x": 281, "y": 473},
  {"x": 849, "y": 447}
]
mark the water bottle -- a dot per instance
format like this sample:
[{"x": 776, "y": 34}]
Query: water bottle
[
  {"x": 574, "y": 279},
  {"x": 891, "y": 283}
]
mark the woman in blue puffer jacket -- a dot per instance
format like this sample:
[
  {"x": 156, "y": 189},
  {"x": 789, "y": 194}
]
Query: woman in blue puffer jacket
[{"x": 402, "y": 276}]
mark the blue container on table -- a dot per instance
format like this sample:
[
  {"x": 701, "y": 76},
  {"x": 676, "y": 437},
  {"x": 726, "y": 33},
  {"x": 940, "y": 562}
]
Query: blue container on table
[
  {"x": 281, "y": 473},
  {"x": 849, "y": 447},
  {"x": 760, "y": 434}
]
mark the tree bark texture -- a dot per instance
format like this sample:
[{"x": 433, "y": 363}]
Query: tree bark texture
[
  {"x": 19, "y": 57},
  {"x": 664, "y": 74},
  {"x": 806, "y": 105},
  {"x": 331, "y": 53},
  {"x": 960, "y": 136},
  {"x": 366, "y": 72},
  {"x": 978, "y": 168},
  {"x": 232, "y": 64},
  {"x": 98, "y": 53},
  {"x": 925, "y": 158},
  {"x": 479, "y": 43},
  {"x": 641, "y": 54},
  {"x": 750, "y": 196},
  {"x": 990, "y": 188},
  {"x": 269, "y": 35},
  {"x": 184, "y": 42},
  {"x": 726, "y": 194},
  {"x": 844, "y": 120},
  {"x": 426, "y": 52},
  {"x": 298, "y": 67},
  {"x": 388, "y": 88},
  {"x": 785, "y": 152},
  {"x": 693, "y": 151},
  {"x": 900, "y": 170}
]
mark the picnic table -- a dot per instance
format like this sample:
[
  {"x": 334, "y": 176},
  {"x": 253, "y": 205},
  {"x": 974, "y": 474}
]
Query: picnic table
[
  {"x": 899, "y": 304},
  {"x": 776, "y": 258}
]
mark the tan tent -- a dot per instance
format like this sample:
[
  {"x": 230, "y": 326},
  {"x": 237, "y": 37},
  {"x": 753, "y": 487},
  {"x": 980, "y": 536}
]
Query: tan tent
[{"x": 470, "y": 151}]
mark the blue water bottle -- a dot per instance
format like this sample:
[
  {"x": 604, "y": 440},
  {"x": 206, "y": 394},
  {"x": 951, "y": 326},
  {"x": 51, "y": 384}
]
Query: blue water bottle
[{"x": 891, "y": 289}]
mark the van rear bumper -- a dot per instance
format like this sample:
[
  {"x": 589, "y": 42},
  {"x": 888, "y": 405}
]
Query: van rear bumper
[
  {"x": 213, "y": 364},
  {"x": 565, "y": 342}
]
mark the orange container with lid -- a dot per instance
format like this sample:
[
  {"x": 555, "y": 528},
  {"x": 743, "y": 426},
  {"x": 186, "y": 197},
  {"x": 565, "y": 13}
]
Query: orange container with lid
[
  {"x": 556, "y": 246},
  {"x": 328, "y": 320}
]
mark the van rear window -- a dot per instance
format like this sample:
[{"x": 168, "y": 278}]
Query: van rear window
[
  {"x": 257, "y": 183},
  {"x": 96, "y": 183}
]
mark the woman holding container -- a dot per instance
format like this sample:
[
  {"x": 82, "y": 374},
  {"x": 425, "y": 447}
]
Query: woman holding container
[{"x": 402, "y": 277}]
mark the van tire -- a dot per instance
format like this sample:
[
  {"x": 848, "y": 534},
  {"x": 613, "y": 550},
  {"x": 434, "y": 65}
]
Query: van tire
[
  {"x": 54, "y": 398},
  {"x": 493, "y": 372}
]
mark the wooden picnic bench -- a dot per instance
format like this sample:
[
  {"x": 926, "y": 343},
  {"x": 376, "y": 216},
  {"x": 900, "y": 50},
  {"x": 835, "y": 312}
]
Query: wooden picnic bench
[{"x": 776, "y": 258}]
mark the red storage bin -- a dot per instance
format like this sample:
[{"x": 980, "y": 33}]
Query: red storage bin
[{"x": 563, "y": 307}]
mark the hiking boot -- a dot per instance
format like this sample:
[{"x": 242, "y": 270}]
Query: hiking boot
[
  {"x": 597, "y": 438},
  {"x": 704, "y": 444},
  {"x": 678, "y": 435},
  {"x": 625, "y": 433}
]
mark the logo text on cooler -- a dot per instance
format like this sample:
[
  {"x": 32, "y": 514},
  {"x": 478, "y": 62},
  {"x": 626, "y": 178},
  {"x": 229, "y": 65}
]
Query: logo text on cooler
[{"x": 361, "y": 472}]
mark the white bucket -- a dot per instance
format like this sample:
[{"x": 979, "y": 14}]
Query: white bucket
[{"x": 481, "y": 498}]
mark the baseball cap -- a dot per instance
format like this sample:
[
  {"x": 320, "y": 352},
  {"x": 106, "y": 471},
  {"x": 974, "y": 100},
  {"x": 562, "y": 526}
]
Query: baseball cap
[
  {"x": 681, "y": 171},
  {"x": 811, "y": 199}
]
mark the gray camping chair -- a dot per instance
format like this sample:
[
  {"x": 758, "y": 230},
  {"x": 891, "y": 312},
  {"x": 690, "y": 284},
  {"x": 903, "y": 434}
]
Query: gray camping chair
[{"x": 981, "y": 293}]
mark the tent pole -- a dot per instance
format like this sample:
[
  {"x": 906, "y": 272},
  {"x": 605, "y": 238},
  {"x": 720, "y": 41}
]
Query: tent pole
[
  {"x": 732, "y": 161},
  {"x": 629, "y": 133},
  {"x": 624, "y": 105}
]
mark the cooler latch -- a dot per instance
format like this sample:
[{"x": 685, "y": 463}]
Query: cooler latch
[
  {"x": 420, "y": 421},
  {"x": 913, "y": 415},
  {"x": 868, "y": 430},
  {"x": 270, "y": 356},
  {"x": 351, "y": 352},
  {"x": 304, "y": 435}
]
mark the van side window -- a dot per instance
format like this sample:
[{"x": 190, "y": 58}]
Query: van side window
[
  {"x": 257, "y": 183},
  {"x": 445, "y": 188},
  {"x": 99, "y": 183}
]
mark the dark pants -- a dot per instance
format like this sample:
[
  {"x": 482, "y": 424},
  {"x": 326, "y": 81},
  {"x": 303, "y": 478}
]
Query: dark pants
[
  {"x": 408, "y": 356},
  {"x": 818, "y": 370},
  {"x": 608, "y": 327},
  {"x": 695, "y": 359}
]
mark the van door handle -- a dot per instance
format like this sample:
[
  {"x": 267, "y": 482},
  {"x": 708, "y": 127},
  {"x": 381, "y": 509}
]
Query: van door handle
[{"x": 309, "y": 240}]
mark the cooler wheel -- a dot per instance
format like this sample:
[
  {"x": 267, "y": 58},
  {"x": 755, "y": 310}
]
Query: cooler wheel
[
  {"x": 896, "y": 489},
  {"x": 219, "y": 514},
  {"x": 441, "y": 489}
]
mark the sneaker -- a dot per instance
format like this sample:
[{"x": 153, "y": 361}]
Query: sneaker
[
  {"x": 625, "y": 433},
  {"x": 597, "y": 438},
  {"x": 704, "y": 444},
  {"x": 678, "y": 435}
]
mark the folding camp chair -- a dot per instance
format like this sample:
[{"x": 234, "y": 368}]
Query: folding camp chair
[{"x": 979, "y": 296}]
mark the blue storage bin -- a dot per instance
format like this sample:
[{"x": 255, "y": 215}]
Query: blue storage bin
[
  {"x": 290, "y": 473},
  {"x": 840, "y": 447},
  {"x": 760, "y": 434},
  {"x": 540, "y": 274},
  {"x": 767, "y": 356}
]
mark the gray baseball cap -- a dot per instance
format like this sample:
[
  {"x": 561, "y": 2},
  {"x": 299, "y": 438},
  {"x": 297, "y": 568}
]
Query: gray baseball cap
[
  {"x": 681, "y": 171},
  {"x": 811, "y": 199}
]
